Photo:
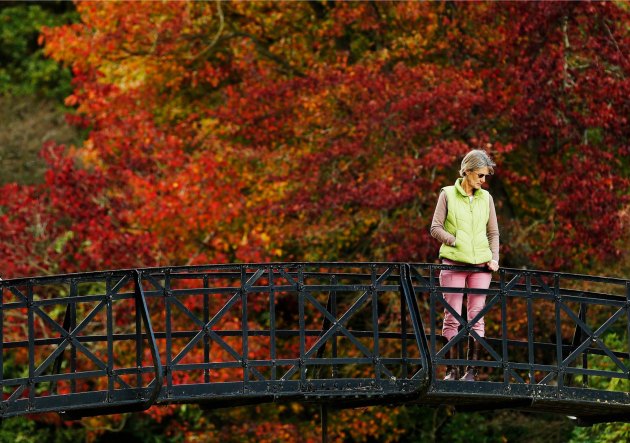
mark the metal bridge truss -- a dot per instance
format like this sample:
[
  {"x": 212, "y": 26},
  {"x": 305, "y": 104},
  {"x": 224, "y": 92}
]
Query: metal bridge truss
[{"x": 341, "y": 334}]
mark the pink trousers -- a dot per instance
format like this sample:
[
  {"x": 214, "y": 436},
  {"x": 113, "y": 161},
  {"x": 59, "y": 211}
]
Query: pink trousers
[{"x": 475, "y": 302}]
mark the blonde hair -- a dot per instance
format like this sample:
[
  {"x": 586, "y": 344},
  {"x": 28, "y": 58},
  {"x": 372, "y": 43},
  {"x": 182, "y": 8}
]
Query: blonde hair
[{"x": 476, "y": 159}]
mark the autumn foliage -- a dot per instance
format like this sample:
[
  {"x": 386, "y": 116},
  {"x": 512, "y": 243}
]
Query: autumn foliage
[{"x": 249, "y": 132}]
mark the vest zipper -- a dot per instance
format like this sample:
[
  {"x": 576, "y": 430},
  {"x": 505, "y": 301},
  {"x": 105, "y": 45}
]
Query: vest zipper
[{"x": 472, "y": 237}]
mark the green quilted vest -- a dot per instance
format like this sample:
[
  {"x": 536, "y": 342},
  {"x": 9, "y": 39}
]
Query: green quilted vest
[{"x": 467, "y": 222}]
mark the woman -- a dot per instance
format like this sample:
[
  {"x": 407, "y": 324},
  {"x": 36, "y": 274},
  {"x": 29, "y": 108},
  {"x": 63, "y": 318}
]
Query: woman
[{"x": 465, "y": 222}]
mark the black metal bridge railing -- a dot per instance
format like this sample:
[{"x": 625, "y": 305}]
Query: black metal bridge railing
[{"x": 331, "y": 333}]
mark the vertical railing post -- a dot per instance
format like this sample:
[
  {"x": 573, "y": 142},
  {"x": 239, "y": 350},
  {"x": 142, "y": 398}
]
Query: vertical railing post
[
  {"x": 333, "y": 303},
  {"x": 504, "y": 344},
  {"x": 530, "y": 335},
  {"x": 73, "y": 324},
  {"x": 2, "y": 342},
  {"x": 110, "y": 339},
  {"x": 141, "y": 304},
  {"x": 628, "y": 319},
  {"x": 245, "y": 326},
  {"x": 558, "y": 300},
  {"x": 403, "y": 331},
  {"x": 139, "y": 342},
  {"x": 301, "y": 320},
  {"x": 272, "y": 325},
  {"x": 433, "y": 320},
  {"x": 582, "y": 316},
  {"x": 375, "y": 347},
  {"x": 417, "y": 323},
  {"x": 206, "y": 320},
  {"x": 169, "y": 337},
  {"x": 31, "y": 346}
]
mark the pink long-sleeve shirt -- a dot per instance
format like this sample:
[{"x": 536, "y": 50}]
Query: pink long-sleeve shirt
[{"x": 438, "y": 231}]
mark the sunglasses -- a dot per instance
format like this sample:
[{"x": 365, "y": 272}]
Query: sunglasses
[{"x": 480, "y": 175}]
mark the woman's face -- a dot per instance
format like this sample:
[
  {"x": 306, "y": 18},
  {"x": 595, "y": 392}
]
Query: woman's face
[{"x": 477, "y": 177}]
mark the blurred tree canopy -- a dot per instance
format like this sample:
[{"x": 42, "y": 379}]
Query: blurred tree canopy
[{"x": 259, "y": 131}]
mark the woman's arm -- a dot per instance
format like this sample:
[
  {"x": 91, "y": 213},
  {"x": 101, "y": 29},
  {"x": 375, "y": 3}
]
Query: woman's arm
[
  {"x": 437, "y": 225},
  {"x": 492, "y": 230}
]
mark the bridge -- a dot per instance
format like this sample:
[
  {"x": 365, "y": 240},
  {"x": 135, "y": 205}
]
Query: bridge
[{"x": 334, "y": 334}]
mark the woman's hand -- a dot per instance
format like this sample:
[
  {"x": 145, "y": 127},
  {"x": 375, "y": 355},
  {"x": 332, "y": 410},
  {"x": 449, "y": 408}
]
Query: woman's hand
[{"x": 493, "y": 265}]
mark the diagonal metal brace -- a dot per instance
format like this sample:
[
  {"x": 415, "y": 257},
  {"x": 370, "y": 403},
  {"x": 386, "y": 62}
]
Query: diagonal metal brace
[{"x": 143, "y": 405}]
